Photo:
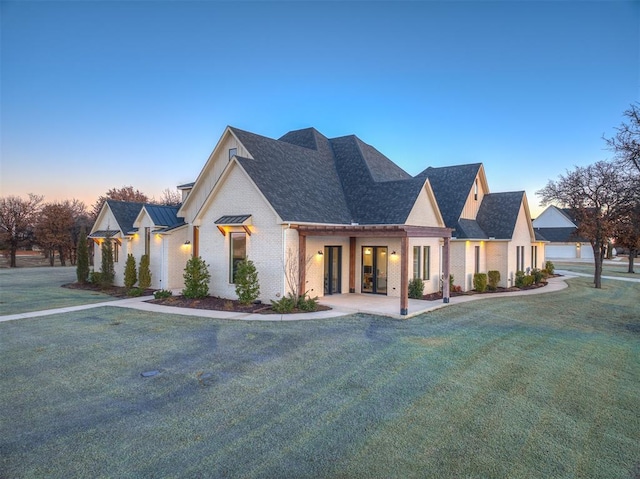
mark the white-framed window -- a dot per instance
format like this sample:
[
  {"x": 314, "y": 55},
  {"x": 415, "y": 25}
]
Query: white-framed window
[
  {"x": 416, "y": 262},
  {"x": 232, "y": 152},
  {"x": 426, "y": 262},
  {"x": 237, "y": 253}
]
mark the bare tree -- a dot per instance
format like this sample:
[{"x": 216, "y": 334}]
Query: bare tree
[
  {"x": 291, "y": 270},
  {"x": 17, "y": 217},
  {"x": 126, "y": 193},
  {"x": 54, "y": 229},
  {"x": 170, "y": 197},
  {"x": 599, "y": 195},
  {"x": 626, "y": 142}
]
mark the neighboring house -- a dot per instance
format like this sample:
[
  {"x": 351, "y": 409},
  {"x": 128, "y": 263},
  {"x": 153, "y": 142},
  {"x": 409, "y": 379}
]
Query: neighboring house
[
  {"x": 559, "y": 227},
  {"x": 138, "y": 229},
  {"x": 331, "y": 216},
  {"x": 491, "y": 231}
]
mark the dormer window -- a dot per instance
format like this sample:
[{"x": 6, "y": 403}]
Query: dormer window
[
  {"x": 232, "y": 152},
  {"x": 475, "y": 190}
]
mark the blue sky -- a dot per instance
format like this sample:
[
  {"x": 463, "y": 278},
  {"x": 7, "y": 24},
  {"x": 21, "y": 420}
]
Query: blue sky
[{"x": 102, "y": 94}]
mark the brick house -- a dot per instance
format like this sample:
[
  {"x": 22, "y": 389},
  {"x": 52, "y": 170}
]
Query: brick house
[{"x": 335, "y": 216}]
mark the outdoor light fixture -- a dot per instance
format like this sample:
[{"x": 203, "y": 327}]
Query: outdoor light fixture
[
  {"x": 320, "y": 253},
  {"x": 187, "y": 242},
  {"x": 393, "y": 253}
]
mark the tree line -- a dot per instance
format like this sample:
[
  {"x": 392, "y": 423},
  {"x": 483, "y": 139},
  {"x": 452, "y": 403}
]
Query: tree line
[
  {"x": 58, "y": 227},
  {"x": 605, "y": 197}
]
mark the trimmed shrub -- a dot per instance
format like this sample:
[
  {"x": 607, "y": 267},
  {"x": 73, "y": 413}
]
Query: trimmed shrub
[
  {"x": 135, "y": 292},
  {"x": 196, "y": 279},
  {"x": 284, "y": 305},
  {"x": 493, "y": 280},
  {"x": 162, "y": 294},
  {"x": 107, "y": 270},
  {"x": 527, "y": 281},
  {"x": 82, "y": 261},
  {"x": 307, "y": 303},
  {"x": 416, "y": 288},
  {"x": 247, "y": 285},
  {"x": 537, "y": 275},
  {"x": 480, "y": 282},
  {"x": 130, "y": 275},
  {"x": 519, "y": 279},
  {"x": 95, "y": 277},
  {"x": 550, "y": 267},
  {"x": 144, "y": 273}
]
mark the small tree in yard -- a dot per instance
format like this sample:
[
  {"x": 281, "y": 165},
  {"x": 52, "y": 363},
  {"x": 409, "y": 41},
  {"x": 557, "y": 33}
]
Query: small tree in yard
[
  {"x": 247, "y": 285},
  {"x": 196, "y": 279},
  {"x": 130, "y": 275},
  {"x": 107, "y": 271},
  {"x": 82, "y": 261},
  {"x": 144, "y": 273}
]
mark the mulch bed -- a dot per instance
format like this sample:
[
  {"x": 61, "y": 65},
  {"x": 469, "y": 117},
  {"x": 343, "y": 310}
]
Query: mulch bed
[
  {"x": 209, "y": 303},
  {"x": 452, "y": 294},
  {"x": 115, "y": 291}
]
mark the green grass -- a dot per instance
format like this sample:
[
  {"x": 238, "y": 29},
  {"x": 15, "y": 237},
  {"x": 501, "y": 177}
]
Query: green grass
[
  {"x": 35, "y": 289},
  {"x": 534, "y": 386},
  {"x": 618, "y": 269}
]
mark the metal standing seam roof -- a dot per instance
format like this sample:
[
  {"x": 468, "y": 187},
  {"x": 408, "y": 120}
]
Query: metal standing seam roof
[{"x": 232, "y": 219}]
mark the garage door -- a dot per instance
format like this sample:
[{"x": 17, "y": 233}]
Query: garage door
[{"x": 560, "y": 251}]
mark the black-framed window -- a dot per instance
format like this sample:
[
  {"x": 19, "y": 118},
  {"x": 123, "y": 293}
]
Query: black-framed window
[
  {"x": 147, "y": 240},
  {"x": 534, "y": 256},
  {"x": 416, "y": 262},
  {"x": 475, "y": 190},
  {"x": 477, "y": 268},
  {"x": 426, "y": 262},
  {"x": 116, "y": 251},
  {"x": 237, "y": 253}
]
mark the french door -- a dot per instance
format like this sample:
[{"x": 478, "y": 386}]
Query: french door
[
  {"x": 332, "y": 269},
  {"x": 374, "y": 269}
]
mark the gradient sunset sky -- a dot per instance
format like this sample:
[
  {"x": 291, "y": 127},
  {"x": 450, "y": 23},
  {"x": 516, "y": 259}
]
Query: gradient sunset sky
[{"x": 102, "y": 94}]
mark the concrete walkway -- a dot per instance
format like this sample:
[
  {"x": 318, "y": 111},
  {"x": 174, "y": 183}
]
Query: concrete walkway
[
  {"x": 587, "y": 275},
  {"x": 341, "y": 304}
]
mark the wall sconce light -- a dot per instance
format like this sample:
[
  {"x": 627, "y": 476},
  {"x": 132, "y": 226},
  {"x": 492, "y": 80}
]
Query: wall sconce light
[
  {"x": 367, "y": 251},
  {"x": 187, "y": 242},
  {"x": 320, "y": 253},
  {"x": 393, "y": 253}
]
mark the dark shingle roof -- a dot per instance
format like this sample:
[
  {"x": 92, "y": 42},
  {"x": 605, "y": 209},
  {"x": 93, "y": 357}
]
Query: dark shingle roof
[
  {"x": 300, "y": 183},
  {"x": 498, "y": 213},
  {"x": 451, "y": 186},
  {"x": 469, "y": 229},
  {"x": 307, "y": 177},
  {"x": 125, "y": 212}
]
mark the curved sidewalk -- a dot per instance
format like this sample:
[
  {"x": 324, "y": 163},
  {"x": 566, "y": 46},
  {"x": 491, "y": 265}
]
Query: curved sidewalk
[{"x": 342, "y": 305}]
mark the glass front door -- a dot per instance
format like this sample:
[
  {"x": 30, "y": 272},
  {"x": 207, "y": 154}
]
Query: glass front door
[
  {"x": 374, "y": 269},
  {"x": 332, "y": 269}
]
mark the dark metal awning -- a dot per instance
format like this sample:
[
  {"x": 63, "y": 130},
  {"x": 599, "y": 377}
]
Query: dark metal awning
[{"x": 234, "y": 223}]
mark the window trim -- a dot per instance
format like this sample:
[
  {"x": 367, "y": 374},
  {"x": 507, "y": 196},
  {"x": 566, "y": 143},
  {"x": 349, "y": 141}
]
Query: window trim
[
  {"x": 232, "y": 267},
  {"x": 232, "y": 152},
  {"x": 426, "y": 262},
  {"x": 416, "y": 262}
]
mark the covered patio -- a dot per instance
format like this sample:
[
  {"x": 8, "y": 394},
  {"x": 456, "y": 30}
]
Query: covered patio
[{"x": 402, "y": 232}]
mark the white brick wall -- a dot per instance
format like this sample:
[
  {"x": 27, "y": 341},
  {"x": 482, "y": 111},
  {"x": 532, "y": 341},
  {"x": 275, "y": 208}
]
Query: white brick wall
[{"x": 239, "y": 196}]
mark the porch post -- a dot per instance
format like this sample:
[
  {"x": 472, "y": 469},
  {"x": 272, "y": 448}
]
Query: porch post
[
  {"x": 446, "y": 270},
  {"x": 404, "y": 276},
  {"x": 302, "y": 263},
  {"x": 352, "y": 264}
]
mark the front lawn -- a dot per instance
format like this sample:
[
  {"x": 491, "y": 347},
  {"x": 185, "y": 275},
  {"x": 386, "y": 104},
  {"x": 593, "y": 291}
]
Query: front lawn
[
  {"x": 35, "y": 289},
  {"x": 532, "y": 386}
]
